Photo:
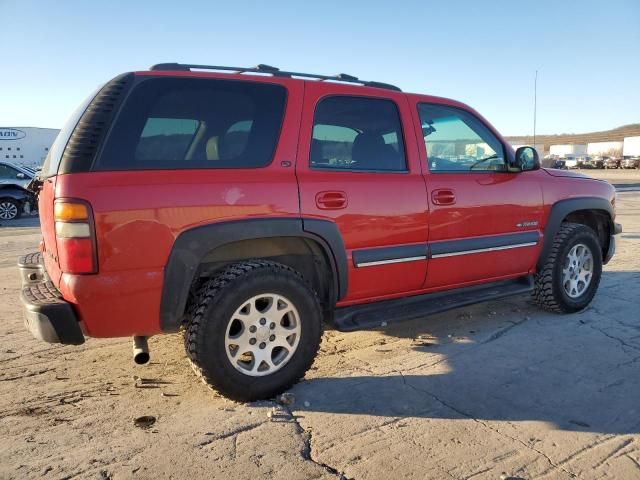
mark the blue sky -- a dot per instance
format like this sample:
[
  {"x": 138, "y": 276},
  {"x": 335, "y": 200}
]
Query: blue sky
[{"x": 483, "y": 53}]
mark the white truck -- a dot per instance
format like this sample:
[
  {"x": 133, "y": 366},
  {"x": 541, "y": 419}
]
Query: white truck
[{"x": 631, "y": 147}]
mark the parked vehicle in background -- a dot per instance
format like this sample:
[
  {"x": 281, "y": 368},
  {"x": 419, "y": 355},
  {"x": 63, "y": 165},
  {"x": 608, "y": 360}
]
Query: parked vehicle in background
[
  {"x": 583, "y": 161},
  {"x": 14, "y": 201},
  {"x": 571, "y": 162},
  {"x": 612, "y": 162},
  {"x": 11, "y": 174},
  {"x": 559, "y": 164},
  {"x": 594, "y": 162},
  {"x": 29, "y": 169},
  {"x": 631, "y": 162},
  {"x": 631, "y": 147},
  {"x": 249, "y": 207}
]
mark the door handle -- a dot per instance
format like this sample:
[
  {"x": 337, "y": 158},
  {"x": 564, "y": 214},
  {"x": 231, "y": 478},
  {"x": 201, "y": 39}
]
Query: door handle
[
  {"x": 332, "y": 200},
  {"x": 443, "y": 196}
]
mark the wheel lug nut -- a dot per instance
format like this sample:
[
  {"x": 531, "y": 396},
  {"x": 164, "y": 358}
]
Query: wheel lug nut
[
  {"x": 272, "y": 326},
  {"x": 263, "y": 321},
  {"x": 252, "y": 341},
  {"x": 262, "y": 345},
  {"x": 272, "y": 338},
  {"x": 252, "y": 329}
]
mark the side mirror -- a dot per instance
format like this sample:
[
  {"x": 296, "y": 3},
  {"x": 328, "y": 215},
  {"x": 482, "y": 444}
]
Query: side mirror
[
  {"x": 21, "y": 176},
  {"x": 526, "y": 159}
]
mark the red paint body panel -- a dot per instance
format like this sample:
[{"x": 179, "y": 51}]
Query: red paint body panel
[
  {"x": 139, "y": 214},
  {"x": 384, "y": 209}
]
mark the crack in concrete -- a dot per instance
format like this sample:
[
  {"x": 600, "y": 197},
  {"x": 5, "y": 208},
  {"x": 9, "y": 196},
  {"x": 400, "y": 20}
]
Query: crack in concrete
[
  {"x": 493, "y": 337},
  {"x": 612, "y": 454},
  {"x": 307, "y": 449},
  {"x": 612, "y": 337},
  {"x": 637, "y": 464},
  {"x": 486, "y": 425},
  {"x": 496, "y": 335},
  {"x": 232, "y": 433},
  {"x": 26, "y": 375},
  {"x": 630, "y": 362}
]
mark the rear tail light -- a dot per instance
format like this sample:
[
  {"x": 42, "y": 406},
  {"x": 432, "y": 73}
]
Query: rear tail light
[{"x": 75, "y": 236}]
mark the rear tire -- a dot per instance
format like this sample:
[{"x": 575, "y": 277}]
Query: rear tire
[
  {"x": 254, "y": 330},
  {"x": 570, "y": 276}
]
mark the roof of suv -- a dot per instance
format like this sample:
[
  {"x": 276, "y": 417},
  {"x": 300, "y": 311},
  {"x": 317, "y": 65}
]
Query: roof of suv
[{"x": 263, "y": 69}]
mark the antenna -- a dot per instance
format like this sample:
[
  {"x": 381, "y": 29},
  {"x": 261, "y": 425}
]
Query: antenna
[{"x": 535, "y": 106}]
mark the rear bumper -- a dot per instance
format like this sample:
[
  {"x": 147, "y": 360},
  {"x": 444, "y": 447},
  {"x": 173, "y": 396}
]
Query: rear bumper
[
  {"x": 617, "y": 228},
  {"x": 47, "y": 315}
]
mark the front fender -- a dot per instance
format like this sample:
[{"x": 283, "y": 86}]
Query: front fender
[{"x": 561, "y": 209}]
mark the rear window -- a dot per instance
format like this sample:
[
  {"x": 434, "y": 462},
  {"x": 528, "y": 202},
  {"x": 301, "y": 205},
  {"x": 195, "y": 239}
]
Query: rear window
[{"x": 176, "y": 123}]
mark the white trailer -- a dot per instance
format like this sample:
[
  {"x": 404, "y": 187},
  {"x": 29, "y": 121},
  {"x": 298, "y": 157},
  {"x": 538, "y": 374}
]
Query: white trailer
[
  {"x": 568, "y": 150},
  {"x": 631, "y": 147},
  {"x": 613, "y": 149},
  {"x": 26, "y": 145}
]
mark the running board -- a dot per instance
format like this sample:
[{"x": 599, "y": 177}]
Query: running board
[{"x": 378, "y": 314}]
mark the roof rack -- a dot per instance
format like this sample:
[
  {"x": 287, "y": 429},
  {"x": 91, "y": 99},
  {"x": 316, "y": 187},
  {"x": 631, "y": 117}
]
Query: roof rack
[{"x": 276, "y": 72}]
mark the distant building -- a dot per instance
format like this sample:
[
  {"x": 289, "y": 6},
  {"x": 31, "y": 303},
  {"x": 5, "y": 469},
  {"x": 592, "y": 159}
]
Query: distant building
[
  {"x": 568, "y": 150},
  {"x": 613, "y": 149},
  {"x": 26, "y": 145},
  {"x": 631, "y": 147}
]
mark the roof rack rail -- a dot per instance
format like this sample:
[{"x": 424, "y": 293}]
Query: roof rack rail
[{"x": 276, "y": 72}]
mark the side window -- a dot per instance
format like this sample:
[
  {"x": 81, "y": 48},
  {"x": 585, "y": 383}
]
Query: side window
[
  {"x": 357, "y": 133},
  {"x": 6, "y": 172},
  {"x": 456, "y": 141}
]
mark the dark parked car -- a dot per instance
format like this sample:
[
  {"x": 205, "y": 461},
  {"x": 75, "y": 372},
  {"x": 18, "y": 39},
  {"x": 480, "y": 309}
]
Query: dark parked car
[
  {"x": 595, "y": 162},
  {"x": 14, "y": 200},
  {"x": 631, "y": 162},
  {"x": 612, "y": 162},
  {"x": 12, "y": 174}
]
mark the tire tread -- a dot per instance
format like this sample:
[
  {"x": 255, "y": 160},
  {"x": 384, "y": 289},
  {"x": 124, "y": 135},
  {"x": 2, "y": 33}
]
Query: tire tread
[{"x": 208, "y": 293}]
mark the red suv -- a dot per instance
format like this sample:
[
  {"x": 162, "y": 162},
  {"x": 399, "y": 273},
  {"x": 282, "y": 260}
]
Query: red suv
[{"x": 250, "y": 206}]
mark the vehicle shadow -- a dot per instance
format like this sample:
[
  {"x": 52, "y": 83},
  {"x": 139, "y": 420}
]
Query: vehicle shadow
[
  {"x": 505, "y": 361},
  {"x": 22, "y": 222}
]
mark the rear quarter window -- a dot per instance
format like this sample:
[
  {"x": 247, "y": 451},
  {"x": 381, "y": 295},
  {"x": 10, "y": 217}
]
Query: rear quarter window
[
  {"x": 53, "y": 158},
  {"x": 178, "y": 123}
]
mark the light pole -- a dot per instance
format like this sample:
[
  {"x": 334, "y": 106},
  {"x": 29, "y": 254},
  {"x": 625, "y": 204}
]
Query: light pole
[{"x": 535, "y": 105}]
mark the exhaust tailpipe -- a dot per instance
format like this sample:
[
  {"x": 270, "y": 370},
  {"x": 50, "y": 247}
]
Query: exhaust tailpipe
[{"x": 140, "y": 350}]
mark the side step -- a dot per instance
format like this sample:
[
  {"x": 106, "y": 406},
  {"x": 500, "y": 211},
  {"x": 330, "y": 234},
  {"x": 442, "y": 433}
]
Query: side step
[{"x": 373, "y": 315}]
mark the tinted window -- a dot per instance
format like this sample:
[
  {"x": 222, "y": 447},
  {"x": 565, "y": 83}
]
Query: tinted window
[
  {"x": 458, "y": 141},
  {"x": 7, "y": 172},
  {"x": 169, "y": 123},
  {"x": 166, "y": 138},
  {"x": 357, "y": 133}
]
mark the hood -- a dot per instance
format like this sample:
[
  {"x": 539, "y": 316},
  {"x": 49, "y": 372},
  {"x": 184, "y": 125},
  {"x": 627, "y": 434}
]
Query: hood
[{"x": 554, "y": 172}]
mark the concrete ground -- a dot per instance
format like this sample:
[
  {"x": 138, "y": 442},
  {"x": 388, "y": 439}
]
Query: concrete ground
[{"x": 499, "y": 390}]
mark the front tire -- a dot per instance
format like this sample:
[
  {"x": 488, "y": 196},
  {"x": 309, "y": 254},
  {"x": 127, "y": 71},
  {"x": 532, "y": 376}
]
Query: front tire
[
  {"x": 9, "y": 209},
  {"x": 254, "y": 330},
  {"x": 571, "y": 273}
]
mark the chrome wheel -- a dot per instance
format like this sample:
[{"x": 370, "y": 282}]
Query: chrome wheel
[
  {"x": 262, "y": 335},
  {"x": 8, "y": 211},
  {"x": 577, "y": 270}
]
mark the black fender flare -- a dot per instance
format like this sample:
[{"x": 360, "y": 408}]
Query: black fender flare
[
  {"x": 192, "y": 245},
  {"x": 559, "y": 212}
]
